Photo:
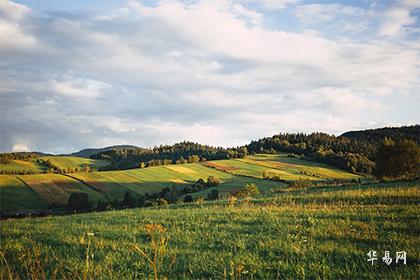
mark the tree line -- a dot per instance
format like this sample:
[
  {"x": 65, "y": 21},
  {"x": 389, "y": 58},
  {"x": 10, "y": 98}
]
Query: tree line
[
  {"x": 179, "y": 153},
  {"x": 6, "y": 158},
  {"x": 80, "y": 202},
  {"x": 353, "y": 151}
]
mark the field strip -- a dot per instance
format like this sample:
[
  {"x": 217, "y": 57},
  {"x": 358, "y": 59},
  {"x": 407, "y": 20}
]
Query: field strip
[
  {"x": 32, "y": 190},
  {"x": 83, "y": 182}
]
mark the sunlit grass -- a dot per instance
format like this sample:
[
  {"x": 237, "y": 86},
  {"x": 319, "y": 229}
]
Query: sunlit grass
[{"x": 315, "y": 233}]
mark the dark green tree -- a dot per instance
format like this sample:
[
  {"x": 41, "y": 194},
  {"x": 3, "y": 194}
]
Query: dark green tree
[
  {"x": 129, "y": 200},
  {"x": 78, "y": 202},
  {"x": 213, "y": 195},
  {"x": 213, "y": 181},
  {"x": 397, "y": 160}
]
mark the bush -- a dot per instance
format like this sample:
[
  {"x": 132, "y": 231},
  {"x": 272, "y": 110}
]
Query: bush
[
  {"x": 301, "y": 184},
  {"x": 213, "y": 181},
  {"x": 213, "y": 195},
  {"x": 78, "y": 202},
  {"x": 248, "y": 190},
  {"x": 188, "y": 198},
  {"x": 141, "y": 201},
  {"x": 129, "y": 200},
  {"x": 397, "y": 160},
  {"x": 200, "y": 201},
  {"x": 161, "y": 201}
]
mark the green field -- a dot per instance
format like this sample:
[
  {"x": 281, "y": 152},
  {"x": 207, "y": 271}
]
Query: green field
[
  {"x": 286, "y": 168},
  {"x": 76, "y": 162},
  {"x": 317, "y": 233},
  {"x": 23, "y": 165},
  {"x": 16, "y": 196},
  {"x": 55, "y": 189},
  {"x": 60, "y": 162}
]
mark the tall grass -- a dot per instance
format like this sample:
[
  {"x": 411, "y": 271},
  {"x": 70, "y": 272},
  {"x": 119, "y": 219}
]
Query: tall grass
[{"x": 282, "y": 236}]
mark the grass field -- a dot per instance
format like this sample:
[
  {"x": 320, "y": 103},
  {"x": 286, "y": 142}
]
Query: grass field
[
  {"x": 154, "y": 179},
  {"x": 317, "y": 233},
  {"x": 76, "y": 162},
  {"x": 16, "y": 196},
  {"x": 23, "y": 165},
  {"x": 286, "y": 168},
  {"x": 56, "y": 188}
]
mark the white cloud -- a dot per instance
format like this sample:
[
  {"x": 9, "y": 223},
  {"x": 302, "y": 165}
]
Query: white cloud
[
  {"x": 20, "y": 148},
  {"x": 79, "y": 87},
  {"x": 12, "y": 11},
  {"x": 334, "y": 18},
  {"x": 272, "y": 4},
  {"x": 397, "y": 18},
  {"x": 209, "y": 71}
]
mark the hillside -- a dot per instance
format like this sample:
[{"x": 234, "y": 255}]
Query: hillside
[
  {"x": 73, "y": 162},
  {"x": 55, "y": 189},
  {"x": 318, "y": 233},
  {"x": 20, "y": 165},
  {"x": 377, "y": 135},
  {"x": 41, "y": 164},
  {"x": 87, "y": 153},
  {"x": 281, "y": 166}
]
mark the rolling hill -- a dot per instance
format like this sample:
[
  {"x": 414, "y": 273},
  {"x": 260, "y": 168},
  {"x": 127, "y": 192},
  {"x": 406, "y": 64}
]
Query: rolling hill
[
  {"x": 18, "y": 166},
  {"x": 65, "y": 162},
  {"x": 37, "y": 165},
  {"x": 49, "y": 190},
  {"x": 87, "y": 153},
  {"x": 318, "y": 233}
]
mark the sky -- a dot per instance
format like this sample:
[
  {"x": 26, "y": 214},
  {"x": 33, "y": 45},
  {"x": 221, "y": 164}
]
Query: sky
[{"x": 78, "y": 74}]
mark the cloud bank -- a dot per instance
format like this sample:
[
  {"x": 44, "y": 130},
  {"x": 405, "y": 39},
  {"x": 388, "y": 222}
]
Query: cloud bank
[{"x": 216, "y": 72}]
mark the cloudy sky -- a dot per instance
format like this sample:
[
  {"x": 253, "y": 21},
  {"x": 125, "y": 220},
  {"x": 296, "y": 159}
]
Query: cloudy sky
[{"x": 77, "y": 74}]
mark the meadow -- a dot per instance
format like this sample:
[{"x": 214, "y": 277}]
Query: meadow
[
  {"x": 46, "y": 191},
  {"x": 23, "y": 165},
  {"x": 286, "y": 168},
  {"x": 65, "y": 162},
  {"x": 307, "y": 233}
]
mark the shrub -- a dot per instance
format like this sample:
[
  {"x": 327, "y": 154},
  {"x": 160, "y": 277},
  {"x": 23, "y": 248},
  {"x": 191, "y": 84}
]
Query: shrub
[
  {"x": 129, "y": 200},
  {"x": 200, "y": 201},
  {"x": 231, "y": 200},
  {"x": 248, "y": 190},
  {"x": 141, "y": 201},
  {"x": 161, "y": 201},
  {"x": 301, "y": 184},
  {"x": 213, "y": 181},
  {"x": 188, "y": 198},
  {"x": 213, "y": 195},
  {"x": 78, "y": 202},
  {"x": 397, "y": 160}
]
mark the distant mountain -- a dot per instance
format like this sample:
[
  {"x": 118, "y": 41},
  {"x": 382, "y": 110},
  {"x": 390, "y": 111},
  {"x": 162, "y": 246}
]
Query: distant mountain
[
  {"x": 87, "y": 153},
  {"x": 374, "y": 136}
]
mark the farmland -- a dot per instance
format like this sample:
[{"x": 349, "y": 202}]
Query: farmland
[
  {"x": 285, "y": 167},
  {"x": 64, "y": 162},
  {"x": 23, "y": 165},
  {"x": 60, "y": 162},
  {"x": 323, "y": 233},
  {"x": 55, "y": 189}
]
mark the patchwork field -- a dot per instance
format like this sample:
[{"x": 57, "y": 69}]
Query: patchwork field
[
  {"x": 55, "y": 189},
  {"x": 76, "y": 162},
  {"x": 286, "y": 168},
  {"x": 16, "y": 196},
  {"x": 23, "y": 165},
  {"x": 317, "y": 233}
]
